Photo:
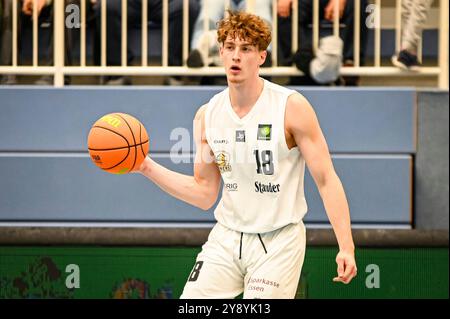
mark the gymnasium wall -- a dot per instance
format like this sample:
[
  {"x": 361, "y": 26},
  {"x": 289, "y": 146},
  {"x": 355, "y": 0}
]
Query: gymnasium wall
[
  {"x": 431, "y": 163},
  {"x": 47, "y": 176}
]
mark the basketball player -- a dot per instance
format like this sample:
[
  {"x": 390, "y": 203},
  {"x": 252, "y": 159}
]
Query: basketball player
[{"x": 256, "y": 136}]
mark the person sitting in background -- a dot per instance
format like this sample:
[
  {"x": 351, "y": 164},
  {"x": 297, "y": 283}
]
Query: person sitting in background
[
  {"x": 322, "y": 68},
  {"x": 24, "y": 17},
  {"x": 134, "y": 11},
  {"x": 414, "y": 15},
  {"x": 305, "y": 36},
  {"x": 5, "y": 41},
  {"x": 204, "y": 45},
  {"x": 6, "y": 37}
]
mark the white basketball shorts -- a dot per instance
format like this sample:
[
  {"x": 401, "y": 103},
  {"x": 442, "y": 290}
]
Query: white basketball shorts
[{"x": 266, "y": 265}]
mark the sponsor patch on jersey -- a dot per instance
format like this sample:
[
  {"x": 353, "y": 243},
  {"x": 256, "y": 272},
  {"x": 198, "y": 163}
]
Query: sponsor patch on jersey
[
  {"x": 264, "y": 132},
  {"x": 267, "y": 188},
  {"x": 231, "y": 187},
  {"x": 220, "y": 141},
  {"x": 223, "y": 162},
  {"x": 240, "y": 136}
]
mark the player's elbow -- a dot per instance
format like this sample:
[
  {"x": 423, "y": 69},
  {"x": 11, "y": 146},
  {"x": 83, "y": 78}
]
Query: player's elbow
[
  {"x": 208, "y": 201},
  {"x": 327, "y": 180},
  {"x": 204, "y": 207}
]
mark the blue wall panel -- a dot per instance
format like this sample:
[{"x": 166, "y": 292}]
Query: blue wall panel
[
  {"x": 356, "y": 121},
  {"x": 46, "y": 175},
  {"x": 62, "y": 188}
]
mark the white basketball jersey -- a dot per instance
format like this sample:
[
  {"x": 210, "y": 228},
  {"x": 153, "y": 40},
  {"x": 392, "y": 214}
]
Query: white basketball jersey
[{"x": 263, "y": 180}]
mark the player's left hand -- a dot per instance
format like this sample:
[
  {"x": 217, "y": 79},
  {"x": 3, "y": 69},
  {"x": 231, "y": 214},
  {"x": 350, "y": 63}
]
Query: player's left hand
[{"x": 346, "y": 267}]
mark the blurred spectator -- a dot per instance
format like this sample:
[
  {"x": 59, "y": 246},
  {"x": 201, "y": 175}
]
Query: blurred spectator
[
  {"x": 25, "y": 12},
  {"x": 27, "y": 6},
  {"x": 24, "y": 18},
  {"x": 134, "y": 11},
  {"x": 323, "y": 68},
  {"x": 204, "y": 45},
  {"x": 326, "y": 16},
  {"x": 414, "y": 15},
  {"x": 6, "y": 39}
]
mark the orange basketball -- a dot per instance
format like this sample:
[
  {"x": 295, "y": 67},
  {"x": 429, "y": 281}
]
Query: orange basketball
[{"x": 118, "y": 143}]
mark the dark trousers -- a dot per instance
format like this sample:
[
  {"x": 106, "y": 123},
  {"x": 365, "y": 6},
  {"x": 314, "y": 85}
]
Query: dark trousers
[
  {"x": 134, "y": 11},
  {"x": 6, "y": 31},
  {"x": 305, "y": 31},
  {"x": 25, "y": 24}
]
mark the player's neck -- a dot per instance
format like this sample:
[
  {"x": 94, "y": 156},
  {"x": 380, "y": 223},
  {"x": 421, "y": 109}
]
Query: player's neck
[{"x": 244, "y": 95}]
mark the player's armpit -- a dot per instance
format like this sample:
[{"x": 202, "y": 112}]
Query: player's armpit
[{"x": 303, "y": 125}]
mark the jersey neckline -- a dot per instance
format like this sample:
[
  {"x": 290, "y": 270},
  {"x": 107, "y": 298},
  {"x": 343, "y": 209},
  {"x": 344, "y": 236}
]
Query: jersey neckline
[{"x": 252, "y": 111}]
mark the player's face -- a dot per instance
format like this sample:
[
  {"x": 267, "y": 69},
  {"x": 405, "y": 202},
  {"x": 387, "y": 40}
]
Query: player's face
[{"x": 241, "y": 59}]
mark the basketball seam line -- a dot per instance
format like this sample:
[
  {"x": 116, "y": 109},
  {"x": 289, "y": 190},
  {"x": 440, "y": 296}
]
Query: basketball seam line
[
  {"x": 105, "y": 128},
  {"x": 128, "y": 153},
  {"x": 116, "y": 148},
  {"x": 140, "y": 139},
  {"x": 134, "y": 139}
]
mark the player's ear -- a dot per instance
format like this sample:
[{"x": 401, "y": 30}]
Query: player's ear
[
  {"x": 263, "y": 56},
  {"x": 221, "y": 49}
]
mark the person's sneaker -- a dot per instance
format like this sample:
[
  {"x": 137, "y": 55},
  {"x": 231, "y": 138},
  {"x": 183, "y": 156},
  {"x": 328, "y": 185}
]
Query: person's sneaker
[
  {"x": 174, "y": 80},
  {"x": 9, "y": 79},
  {"x": 195, "y": 59},
  {"x": 117, "y": 80},
  {"x": 406, "y": 61},
  {"x": 302, "y": 60},
  {"x": 44, "y": 80}
]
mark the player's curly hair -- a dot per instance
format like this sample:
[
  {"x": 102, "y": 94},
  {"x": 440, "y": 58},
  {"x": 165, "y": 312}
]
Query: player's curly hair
[{"x": 245, "y": 26}]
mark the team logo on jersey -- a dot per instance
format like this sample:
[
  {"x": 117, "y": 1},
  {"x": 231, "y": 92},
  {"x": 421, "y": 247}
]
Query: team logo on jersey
[
  {"x": 264, "y": 132},
  {"x": 223, "y": 162},
  {"x": 240, "y": 136}
]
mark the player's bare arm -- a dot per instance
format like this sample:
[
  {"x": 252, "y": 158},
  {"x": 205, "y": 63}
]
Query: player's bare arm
[
  {"x": 303, "y": 130},
  {"x": 200, "y": 190}
]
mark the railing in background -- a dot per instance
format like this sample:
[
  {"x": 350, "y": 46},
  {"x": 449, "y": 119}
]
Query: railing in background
[{"x": 59, "y": 69}]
